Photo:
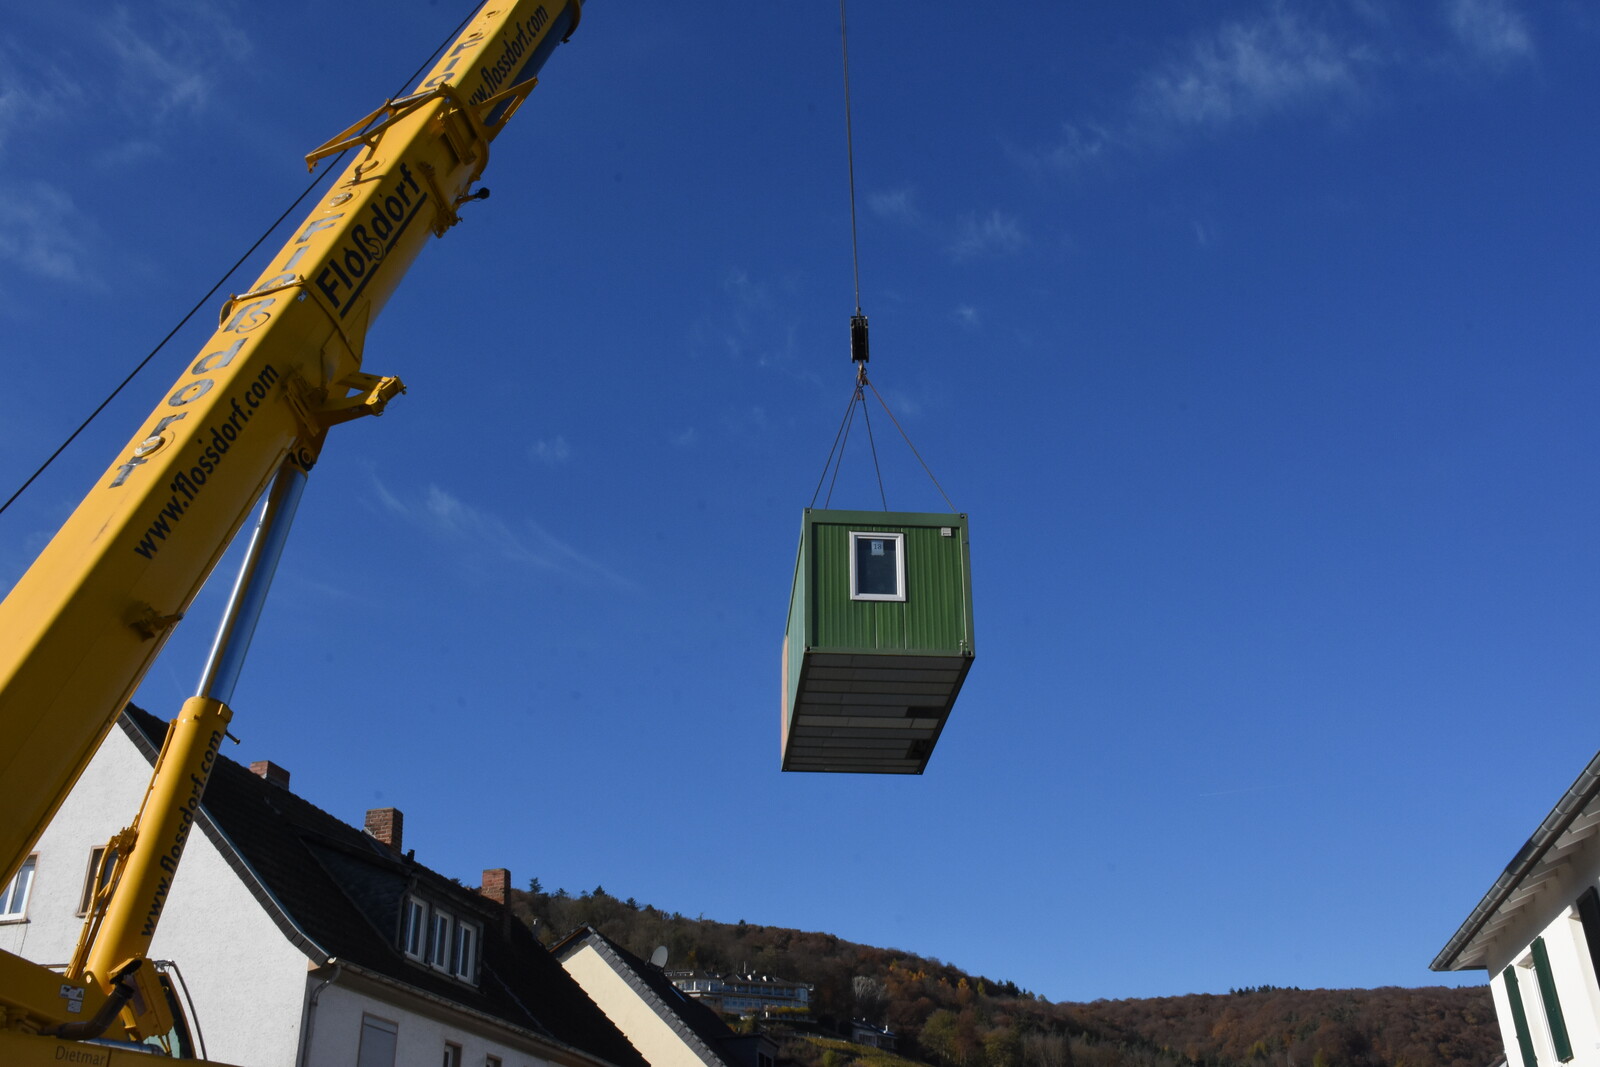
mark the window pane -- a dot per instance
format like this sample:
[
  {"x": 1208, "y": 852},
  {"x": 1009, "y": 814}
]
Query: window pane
[
  {"x": 14, "y": 901},
  {"x": 377, "y": 1042},
  {"x": 439, "y": 955},
  {"x": 416, "y": 927},
  {"x": 86, "y": 901},
  {"x": 877, "y": 566},
  {"x": 466, "y": 950}
]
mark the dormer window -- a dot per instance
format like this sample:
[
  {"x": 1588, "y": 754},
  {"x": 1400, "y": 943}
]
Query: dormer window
[
  {"x": 465, "y": 963},
  {"x": 441, "y": 925},
  {"x": 415, "y": 939},
  {"x": 438, "y": 938}
]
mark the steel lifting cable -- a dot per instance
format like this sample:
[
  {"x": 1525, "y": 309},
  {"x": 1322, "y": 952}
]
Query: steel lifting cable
[
  {"x": 909, "y": 445},
  {"x": 858, "y": 335},
  {"x": 223, "y": 280},
  {"x": 843, "y": 433},
  {"x": 866, "y": 418},
  {"x": 850, "y": 156}
]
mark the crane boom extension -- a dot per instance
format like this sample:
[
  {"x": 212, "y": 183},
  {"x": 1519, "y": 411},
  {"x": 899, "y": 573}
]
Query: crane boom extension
[{"x": 88, "y": 618}]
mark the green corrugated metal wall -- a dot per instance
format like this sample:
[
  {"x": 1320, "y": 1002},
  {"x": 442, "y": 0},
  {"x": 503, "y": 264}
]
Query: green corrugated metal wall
[
  {"x": 794, "y": 637},
  {"x": 937, "y": 612}
]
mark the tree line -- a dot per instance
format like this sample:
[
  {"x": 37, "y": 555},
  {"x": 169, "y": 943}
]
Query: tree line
[{"x": 945, "y": 1017}]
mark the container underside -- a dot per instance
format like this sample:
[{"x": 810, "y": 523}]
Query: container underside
[{"x": 874, "y": 713}]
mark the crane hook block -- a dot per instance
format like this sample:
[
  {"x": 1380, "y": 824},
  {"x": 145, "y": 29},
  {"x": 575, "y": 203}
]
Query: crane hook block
[{"x": 858, "y": 338}]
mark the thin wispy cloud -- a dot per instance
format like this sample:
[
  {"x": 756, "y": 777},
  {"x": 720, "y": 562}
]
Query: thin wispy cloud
[
  {"x": 967, "y": 316},
  {"x": 143, "y": 62},
  {"x": 752, "y": 325},
  {"x": 1491, "y": 28},
  {"x": 895, "y": 205},
  {"x": 1274, "y": 63},
  {"x": 42, "y": 233},
  {"x": 744, "y": 421},
  {"x": 1078, "y": 145},
  {"x": 167, "y": 53},
  {"x": 552, "y": 453},
  {"x": 525, "y": 543},
  {"x": 1285, "y": 60},
  {"x": 32, "y": 97},
  {"x": 995, "y": 233},
  {"x": 971, "y": 235}
]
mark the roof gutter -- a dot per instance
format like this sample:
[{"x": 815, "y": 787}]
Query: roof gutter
[{"x": 1568, "y": 808}]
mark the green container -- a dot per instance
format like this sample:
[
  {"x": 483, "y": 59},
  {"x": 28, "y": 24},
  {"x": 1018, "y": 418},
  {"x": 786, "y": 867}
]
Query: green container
[{"x": 879, "y": 639}]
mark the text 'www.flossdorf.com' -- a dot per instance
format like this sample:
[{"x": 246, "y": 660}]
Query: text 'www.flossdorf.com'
[{"x": 212, "y": 445}]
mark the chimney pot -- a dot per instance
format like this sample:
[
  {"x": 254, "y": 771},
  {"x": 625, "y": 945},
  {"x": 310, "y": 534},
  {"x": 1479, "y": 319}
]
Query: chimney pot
[
  {"x": 271, "y": 772},
  {"x": 387, "y": 825}
]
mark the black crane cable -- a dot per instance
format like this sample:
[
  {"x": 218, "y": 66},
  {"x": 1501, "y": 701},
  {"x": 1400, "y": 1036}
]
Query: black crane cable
[
  {"x": 841, "y": 438},
  {"x": 223, "y": 280}
]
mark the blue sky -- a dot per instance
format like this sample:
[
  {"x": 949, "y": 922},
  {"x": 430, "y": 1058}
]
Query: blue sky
[{"x": 1255, "y": 338}]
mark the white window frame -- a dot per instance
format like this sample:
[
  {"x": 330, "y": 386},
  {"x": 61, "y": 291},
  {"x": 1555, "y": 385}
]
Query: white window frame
[
  {"x": 416, "y": 937},
  {"x": 14, "y": 898},
  {"x": 441, "y": 940},
  {"x": 452, "y": 1054},
  {"x": 464, "y": 961},
  {"x": 899, "y": 540}
]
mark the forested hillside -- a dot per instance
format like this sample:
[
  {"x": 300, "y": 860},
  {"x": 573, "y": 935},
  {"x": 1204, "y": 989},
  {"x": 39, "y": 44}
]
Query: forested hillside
[{"x": 946, "y": 1017}]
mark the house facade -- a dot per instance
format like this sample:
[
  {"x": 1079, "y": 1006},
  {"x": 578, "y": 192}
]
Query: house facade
[
  {"x": 670, "y": 1028},
  {"x": 305, "y": 942},
  {"x": 1537, "y": 934}
]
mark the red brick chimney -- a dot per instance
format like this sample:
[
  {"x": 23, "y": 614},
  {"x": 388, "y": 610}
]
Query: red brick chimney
[
  {"x": 271, "y": 772},
  {"x": 386, "y": 824},
  {"x": 497, "y": 885}
]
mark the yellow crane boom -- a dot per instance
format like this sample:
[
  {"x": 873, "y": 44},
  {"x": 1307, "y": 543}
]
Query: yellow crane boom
[{"x": 85, "y": 622}]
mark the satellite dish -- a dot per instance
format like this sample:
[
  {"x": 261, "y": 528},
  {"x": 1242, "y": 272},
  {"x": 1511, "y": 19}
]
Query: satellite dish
[{"x": 658, "y": 958}]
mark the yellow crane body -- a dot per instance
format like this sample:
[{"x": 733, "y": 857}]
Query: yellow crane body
[{"x": 85, "y": 622}]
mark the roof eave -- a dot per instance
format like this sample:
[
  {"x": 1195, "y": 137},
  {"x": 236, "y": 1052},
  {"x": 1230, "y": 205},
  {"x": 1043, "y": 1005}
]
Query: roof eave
[{"x": 1568, "y": 808}]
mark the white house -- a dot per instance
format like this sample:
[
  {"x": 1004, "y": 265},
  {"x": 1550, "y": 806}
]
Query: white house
[
  {"x": 670, "y": 1028},
  {"x": 1537, "y": 932},
  {"x": 305, "y": 942}
]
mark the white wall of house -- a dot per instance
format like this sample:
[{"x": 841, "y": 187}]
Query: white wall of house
[
  {"x": 251, "y": 987},
  {"x": 248, "y": 982},
  {"x": 420, "y": 1035},
  {"x": 1577, "y": 993},
  {"x": 628, "y": 1011}
]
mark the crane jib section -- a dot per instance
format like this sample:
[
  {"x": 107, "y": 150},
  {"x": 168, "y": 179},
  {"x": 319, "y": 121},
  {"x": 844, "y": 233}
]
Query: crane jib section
[{"x": 285, "y": 363}]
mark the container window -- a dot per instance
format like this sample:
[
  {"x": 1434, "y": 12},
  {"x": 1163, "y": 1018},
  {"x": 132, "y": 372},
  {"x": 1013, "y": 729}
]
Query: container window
[{"x": 877, "y": 566}]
